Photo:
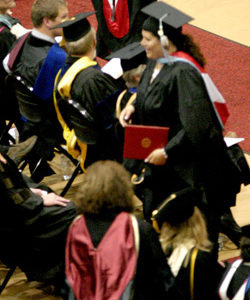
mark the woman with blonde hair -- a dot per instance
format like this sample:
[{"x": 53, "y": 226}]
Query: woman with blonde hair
[{"x": 184, "y": 240}]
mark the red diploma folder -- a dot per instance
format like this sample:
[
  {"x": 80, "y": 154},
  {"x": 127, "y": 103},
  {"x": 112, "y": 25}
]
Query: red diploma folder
[{"x": 141, "y": 140}]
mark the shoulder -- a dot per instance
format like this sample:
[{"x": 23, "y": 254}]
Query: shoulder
[
  {"x": 94, "y": 77},
  {"x": 147, "y": 232},
  {"x": 5, "y": 35},
  {"x": 183, "y": 67}
]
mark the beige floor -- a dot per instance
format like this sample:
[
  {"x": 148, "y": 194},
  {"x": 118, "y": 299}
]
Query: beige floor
[{"x": 227, "y": 18}]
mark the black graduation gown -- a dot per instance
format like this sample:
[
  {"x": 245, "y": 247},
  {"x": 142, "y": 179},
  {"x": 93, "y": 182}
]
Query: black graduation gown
[
  {"x": 207, "y": 275},
  {"x": 153, "y": 278},
  {"x": 97, "y": 92},
  {"x": 9, "y": 108},
  {"x": 31, "y": 59},
  {"x": 177, "y": 98},
  {"x": 28, "y": 64},
  {"x": 240, "y": 275},
  {"x": 106, "y": 41},
  {"x": 33, "y": 236}
]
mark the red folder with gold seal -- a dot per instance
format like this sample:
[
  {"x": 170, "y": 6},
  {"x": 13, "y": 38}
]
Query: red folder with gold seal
[{"x": 141, "y": 140}]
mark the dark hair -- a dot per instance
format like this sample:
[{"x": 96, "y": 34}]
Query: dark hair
[
  {"x": 187, "y": 44},
  {"x": 106, "y": 187},
  {"x": 183, "y": 42}
]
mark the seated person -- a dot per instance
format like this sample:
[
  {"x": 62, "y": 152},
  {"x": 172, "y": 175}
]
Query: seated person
[
  {"x": 33, "y": 225},
  {"x": 9, "y": 30},
  {"x": 107, "y": 239},
  {"x": 235, "y": 283},
  {"x": 92, "y": 91},
  {"x": 32, "y": 64}
]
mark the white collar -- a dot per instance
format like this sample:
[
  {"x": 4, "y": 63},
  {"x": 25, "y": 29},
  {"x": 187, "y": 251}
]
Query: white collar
[
  {"x": 178, "y": 255},
  {"x": 42, "y": 36}
]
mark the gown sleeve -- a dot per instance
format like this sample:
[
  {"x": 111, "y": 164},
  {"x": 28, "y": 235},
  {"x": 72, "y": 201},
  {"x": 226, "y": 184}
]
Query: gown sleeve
[{"x": 198, "y": 123}]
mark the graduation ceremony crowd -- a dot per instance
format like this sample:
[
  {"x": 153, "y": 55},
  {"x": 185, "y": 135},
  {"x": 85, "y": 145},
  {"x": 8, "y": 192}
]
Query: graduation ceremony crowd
[{"x": 55, "y": 93}]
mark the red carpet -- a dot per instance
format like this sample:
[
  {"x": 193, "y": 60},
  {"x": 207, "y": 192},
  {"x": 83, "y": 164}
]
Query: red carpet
[{"x": 228, "y": 64}]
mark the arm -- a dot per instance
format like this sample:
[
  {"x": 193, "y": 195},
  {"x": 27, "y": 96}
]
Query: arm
[
  {"x": 126, "y": 115},
  {"x": 28, "y": 199},
  {"x": 193, "y": 119}
]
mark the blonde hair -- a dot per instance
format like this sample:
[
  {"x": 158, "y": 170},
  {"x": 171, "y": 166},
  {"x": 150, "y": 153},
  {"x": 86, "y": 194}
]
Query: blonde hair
[
  {"x": 81, "y": 46},
  {"x": 130, "y": 76},
  {"x": 106, "y": 187},
  {"x": 45, "y": 9},
  {"x": 192, "y": 229}
]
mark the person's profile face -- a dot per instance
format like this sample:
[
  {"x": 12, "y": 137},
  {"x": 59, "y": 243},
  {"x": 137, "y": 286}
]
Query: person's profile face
[
  {"x": 7, "y": 4},
  {"x": 63, "y": 14},
  {"x": 151, "y": 45}
]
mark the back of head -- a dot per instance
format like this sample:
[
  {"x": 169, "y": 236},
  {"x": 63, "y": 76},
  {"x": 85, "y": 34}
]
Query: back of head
[
  {"x": 45, "y": 9},
  {"x": 79, "y": 36},
  {"x": 180, "y": 221},
  {"x": 106, "y": 187},
  {"x": 83, "y": 45},
  {"x": 132, "y": 77}
]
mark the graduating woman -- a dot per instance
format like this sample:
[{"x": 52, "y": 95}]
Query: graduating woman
[{"x": 173, "y": 93}]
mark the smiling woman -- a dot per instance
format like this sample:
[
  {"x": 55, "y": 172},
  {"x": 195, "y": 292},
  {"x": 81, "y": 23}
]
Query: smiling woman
[{"x": 172, "y": 93}]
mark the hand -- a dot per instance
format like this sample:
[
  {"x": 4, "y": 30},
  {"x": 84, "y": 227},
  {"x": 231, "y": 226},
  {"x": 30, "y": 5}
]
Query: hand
[
  {"x": 157, "y": 157},
  {"x": 2, "y": 159},
  {"x": 38, "y": 192},
  {"x": 50, "y": 199},
  {"x": 126, "y": 114}
]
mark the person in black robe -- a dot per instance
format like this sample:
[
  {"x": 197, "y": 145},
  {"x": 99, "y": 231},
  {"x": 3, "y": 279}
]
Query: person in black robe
[
  {"x": 236, "y": 279},
  {"x": 119, "y": 24},
  {"x": 24, "y": 69},
  {"x": 33, "y": 225},
  {"x": 9, "y": 107},
  {"x": 105, "y": 195},
  {"x": 172, "y": 93},
  {"x": 93, "y": 91},
  {"x": 184, "y": 240}
]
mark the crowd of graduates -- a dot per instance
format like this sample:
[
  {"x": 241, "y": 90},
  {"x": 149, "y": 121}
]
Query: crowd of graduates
[{"x": 96, "y": 247}]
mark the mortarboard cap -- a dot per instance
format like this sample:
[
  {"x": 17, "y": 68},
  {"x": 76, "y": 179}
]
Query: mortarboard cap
[
  {"x": 177, "y": 208},
  {"x": 76, "y": 27},
  {"x": 167, "y": 14},
  {"x": 245, "y": 231},
  {"x": 131, "y": 56}
]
